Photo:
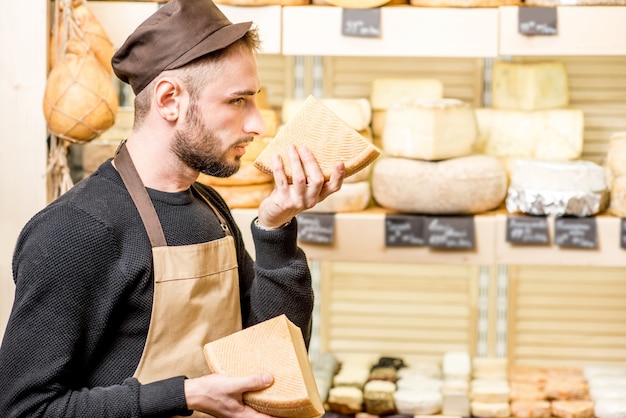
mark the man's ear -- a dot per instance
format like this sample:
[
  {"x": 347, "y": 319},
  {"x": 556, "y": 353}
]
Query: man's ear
[{"x": 167, "y": 98}]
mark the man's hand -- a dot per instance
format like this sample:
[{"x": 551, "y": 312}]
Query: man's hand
[
  {"x": 222, "y": 396},
  {"x": 307, "y": 188}
]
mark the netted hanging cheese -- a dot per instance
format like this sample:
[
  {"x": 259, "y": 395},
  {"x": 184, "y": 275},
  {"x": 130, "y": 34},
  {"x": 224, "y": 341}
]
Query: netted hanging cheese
[
  {"x": 84, "y": 26},
  {"x": 430, "y": 129},
  {"x": 80, "y": 101},
  {"x": 464, "y": 185},
  {"x": 529, "y": 85}
]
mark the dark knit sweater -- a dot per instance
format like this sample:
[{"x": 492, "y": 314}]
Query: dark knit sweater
[{"x": 83, "y": 274}]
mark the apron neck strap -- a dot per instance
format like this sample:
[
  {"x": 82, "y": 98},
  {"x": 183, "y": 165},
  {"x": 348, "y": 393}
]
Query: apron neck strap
[{"x": 139, "y": 194}]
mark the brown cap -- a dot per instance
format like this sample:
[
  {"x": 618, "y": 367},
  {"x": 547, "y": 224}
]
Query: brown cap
[{"x": 176, "y": 34}]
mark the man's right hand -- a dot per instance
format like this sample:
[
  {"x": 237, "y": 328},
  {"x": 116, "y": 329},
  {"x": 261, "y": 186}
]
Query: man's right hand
[{"x": 222, "y": 396}]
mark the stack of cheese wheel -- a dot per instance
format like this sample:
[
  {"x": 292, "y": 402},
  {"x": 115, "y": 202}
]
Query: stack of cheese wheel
[
  {"x": 489, "y": 388},
  {"x": 530, "y": 115},
  {"x": 355, "y": 193},
  {"x": 457, "y": 372},
  {"x": 346, "y": 394},
  {"x": 607, "y": 389},
  {"x": 419, "y": 389},
  {"x": 249, "y": 186},
  {"x": 378, "y": 392},
  {"x": 616, "y": 173},
  {"x": 429, "y": 164}
]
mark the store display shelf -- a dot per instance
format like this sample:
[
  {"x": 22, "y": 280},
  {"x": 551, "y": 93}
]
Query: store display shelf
[
  {"x": 360, "y": 237},
  {"x": 581, "y": 30},
  {"x": 404, "y": 31}
]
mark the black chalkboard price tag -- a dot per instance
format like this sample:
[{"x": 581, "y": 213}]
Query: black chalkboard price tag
[
  {"x": 623, "y": 233},
  {"x": 404, "y": 230},
  {"x": 529, "y": 230},
  {"x": 576, "y": 232},
  {"x": 316, "y": 228},
  {"x": 364, "y": 23},
  {"x": 450, "y": 232},
  {"x": 537, "y": 21}
]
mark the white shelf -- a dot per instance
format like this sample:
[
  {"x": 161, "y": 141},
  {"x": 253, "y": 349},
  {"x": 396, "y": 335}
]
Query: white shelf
[
  {"x": 267, "y": 18},
  {"x": 405, "y": 31},
  {"x": 582, "y": 30}
]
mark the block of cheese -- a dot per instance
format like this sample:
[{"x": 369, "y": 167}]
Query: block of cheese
[
  {"x": 616, "y": 154},
  {"x": 490, "y": 409},
  {"x": 418, "y": 401},
  {"x": 531, "y": 409},
  {"x": 328, "y": 137},
  {"x": 430, "y": 129},
  {"x": 617, "y": 205},
  {"x": 542, "y": 187},
  {"x": 356, "y": 113},
  {"x": 456, "y": 364},
  {"x": 247, "y": 174},
  {"x": 352, "y": 197},
  {"x": 464, "y": 185},
  {"x": 245, "y": 196},
  {"x": 545, "y": 134},
  {"x": 529, "y": 85},
  {"x": 274, "y": 346}
]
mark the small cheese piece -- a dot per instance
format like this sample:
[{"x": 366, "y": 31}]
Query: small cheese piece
[
  {"x": 418, "y": 401},
  {"x": 352, "y": 375},
  {"x": 456, "y": 364},
  {"x": 490, "y": 409},
  {"x": 555, "y": 134},
  {"x": 531, "y": 409},
  {"x": 610, "y": 408},
  {"x": 352, "y": 197},
  {"x": 345, "y": 399},
  {"x": 378, "y": 397},
  {"x": 464, "y": 185},
  {"x": 356, "y": 113},
  {"x": 529, "y": 85},
  {"x": 572, "y": 409},
  {"x": 274, "y": 346},
  {"x": 430, "y": 129}
]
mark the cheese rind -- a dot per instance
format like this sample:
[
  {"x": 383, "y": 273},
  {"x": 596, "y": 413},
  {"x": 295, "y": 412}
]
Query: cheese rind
[
  {"x": 529, "y": 85},
  {"x": 430, "y": 129},
  {"x": 555, "y": 134}
]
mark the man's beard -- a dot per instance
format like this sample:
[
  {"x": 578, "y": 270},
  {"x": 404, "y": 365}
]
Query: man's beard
[{"x": 199, "y": 148}]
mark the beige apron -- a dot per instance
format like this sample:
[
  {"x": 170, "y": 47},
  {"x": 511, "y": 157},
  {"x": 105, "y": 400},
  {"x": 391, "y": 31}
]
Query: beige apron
[{"x": 196, "y": 292}]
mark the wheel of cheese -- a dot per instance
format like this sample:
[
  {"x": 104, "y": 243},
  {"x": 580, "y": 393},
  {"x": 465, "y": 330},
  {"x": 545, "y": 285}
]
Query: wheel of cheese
[
  {"x": 249, "y": 196},
  {"x": 464, "y": 185},
  {"x": 418, "y": 401},
  {"x": 275, "y": 346}
]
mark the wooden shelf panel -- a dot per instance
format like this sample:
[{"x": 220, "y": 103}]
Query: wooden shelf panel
[
  {"x": 405, "y": 31},
  {"x": 582, "y": 30}
]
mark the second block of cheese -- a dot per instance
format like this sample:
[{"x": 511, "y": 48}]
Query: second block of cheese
[
  {"x": 555, "y": 134},
  {"x": 434, "y": 129}
]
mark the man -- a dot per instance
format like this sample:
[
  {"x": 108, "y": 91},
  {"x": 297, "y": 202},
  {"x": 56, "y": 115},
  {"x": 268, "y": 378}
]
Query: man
[{"x": 123, "y": 279}]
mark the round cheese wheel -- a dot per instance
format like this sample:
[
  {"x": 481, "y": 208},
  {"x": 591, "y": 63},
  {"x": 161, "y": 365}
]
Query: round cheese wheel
[
  {"x": 463, "y": 185},
  {"x": 247, "y": 174},
  {"x": 249, "y": 196},
  {"x": 352, "y": 197}
]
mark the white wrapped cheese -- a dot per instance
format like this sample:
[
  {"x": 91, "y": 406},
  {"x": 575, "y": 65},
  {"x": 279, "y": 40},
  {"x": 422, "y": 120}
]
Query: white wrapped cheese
[
  {"x": 430, "y": 129},
  {"x": 541, "y": 187},
  {"x": 464, "y": 185},
  {"x": 555, "y": 134},
  {"x": 529, "y": 85}
]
